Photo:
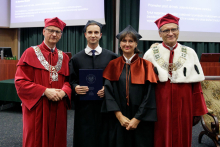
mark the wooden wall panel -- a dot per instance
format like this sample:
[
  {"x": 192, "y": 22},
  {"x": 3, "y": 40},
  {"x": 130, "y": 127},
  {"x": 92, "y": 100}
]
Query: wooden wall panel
[
  {"x": 3, "y": 67},
  {"x": 7, "y": 69},
  {"x": 9, "y": 38},
  {"x": 210, "y": 63},
  {"x": 211, "y": 68}
]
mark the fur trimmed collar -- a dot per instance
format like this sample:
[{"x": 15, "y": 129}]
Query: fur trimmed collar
[{"x": 187, "y": 68}]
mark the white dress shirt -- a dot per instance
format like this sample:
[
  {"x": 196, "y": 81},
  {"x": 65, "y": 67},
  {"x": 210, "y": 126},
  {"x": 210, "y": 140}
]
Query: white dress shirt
[
  {"x": 49, "y": 47},
  {"x": 88, "y": 50},
  {"x": 129, "y": 60},
  {"x": 171, "y": 48}
]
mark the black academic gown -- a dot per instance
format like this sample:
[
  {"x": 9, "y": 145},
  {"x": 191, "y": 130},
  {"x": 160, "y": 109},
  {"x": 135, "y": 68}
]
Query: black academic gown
[
  {"x": 89, "y": 124},
  {"x": 142, "y": 106}
]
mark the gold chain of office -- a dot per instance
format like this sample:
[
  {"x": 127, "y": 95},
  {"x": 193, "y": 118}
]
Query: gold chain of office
[
  {"x": 170, "y": 66},
  {"x": 52, "y": 69}
]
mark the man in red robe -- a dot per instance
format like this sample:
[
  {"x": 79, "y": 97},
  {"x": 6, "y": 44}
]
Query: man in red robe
[
  {"x": 42, "y": 85},
  {"x": 179, "y": 97}
]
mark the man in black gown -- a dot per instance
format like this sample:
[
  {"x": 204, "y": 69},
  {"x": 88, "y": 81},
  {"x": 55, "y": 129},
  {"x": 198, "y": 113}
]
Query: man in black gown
[{"x": 90, "y": 125}]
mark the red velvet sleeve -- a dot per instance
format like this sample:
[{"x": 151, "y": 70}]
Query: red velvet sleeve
[
  {"x": 28, "y": 91},
  {"x": 199, "y": 105}
]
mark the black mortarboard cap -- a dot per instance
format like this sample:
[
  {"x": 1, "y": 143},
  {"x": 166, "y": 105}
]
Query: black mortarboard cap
[
  {"x": 128, "y": 29},
  {"x": 92, "y": 21}
]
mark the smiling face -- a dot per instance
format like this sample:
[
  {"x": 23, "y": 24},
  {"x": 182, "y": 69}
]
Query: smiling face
[
  {"x": 52, "y": 35},
  {"x": 128, "y": 44},
  {"x": 93, "y": 35},
  {"x": 169, "y": 33}
]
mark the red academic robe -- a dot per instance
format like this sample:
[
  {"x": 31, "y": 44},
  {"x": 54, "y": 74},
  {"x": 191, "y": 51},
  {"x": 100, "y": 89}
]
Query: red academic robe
[
  {"x": 44, "y": 121},
  {"x": 177, "y": 103}
]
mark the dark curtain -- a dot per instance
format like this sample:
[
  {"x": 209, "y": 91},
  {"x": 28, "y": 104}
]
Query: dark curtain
[
  {"x": 129, "y": 14},
  {"x": 72, "y": 39}
]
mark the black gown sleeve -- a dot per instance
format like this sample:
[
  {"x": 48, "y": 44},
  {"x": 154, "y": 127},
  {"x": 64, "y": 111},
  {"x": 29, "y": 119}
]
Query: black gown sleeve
[
  {"x": 109, "y": 103},
  {"x": 147, "y": 109},
  {"x": 73, "y": 77}
]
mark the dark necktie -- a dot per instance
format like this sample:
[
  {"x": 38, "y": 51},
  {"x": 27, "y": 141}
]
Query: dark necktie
[
  {"x": 93, "y": 52},
  {"x": 93, "y": 58}
]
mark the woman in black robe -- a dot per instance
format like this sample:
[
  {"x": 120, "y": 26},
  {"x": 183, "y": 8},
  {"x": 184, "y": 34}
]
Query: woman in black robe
[{"x": 129, "y": 95}]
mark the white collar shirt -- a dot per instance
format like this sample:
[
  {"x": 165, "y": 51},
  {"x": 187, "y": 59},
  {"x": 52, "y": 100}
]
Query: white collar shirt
[
  {"x": 171, "y": 48},
  {"x": 49, "y": 47},
  {"x": 129, "y": 60},
  {"x": 88, "y": 50}
]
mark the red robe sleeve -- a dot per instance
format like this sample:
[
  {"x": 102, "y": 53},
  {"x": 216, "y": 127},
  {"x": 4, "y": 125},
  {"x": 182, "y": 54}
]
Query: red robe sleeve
[
  {"x": 28, "y": 91},
  {"x": 199, "y": 105}
]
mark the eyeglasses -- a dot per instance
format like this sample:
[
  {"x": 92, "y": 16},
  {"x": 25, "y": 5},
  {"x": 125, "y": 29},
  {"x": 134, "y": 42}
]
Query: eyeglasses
[
  {"x": 52, "y": 31},
  {"x": 168, "y": 31}
]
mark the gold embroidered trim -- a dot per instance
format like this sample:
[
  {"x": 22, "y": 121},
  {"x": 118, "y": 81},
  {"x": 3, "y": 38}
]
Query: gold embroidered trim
[{"x": 47, "y": 66}]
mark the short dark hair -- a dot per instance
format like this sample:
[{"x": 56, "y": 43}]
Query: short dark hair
[
  {"x": 134, "y": 37},
  {"x": 93, "y": 23}
]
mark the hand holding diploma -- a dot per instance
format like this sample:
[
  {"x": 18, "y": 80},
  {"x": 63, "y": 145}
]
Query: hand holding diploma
[
  {"x": 81, "y": 89},
  {"x": 101, "y": 93}
]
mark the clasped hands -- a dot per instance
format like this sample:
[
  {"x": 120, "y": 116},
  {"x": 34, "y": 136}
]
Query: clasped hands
[
  {"x": 126, "y": 122},
  {"x": 83, "y": 89},
  {"x": 54, "y": 94}
]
